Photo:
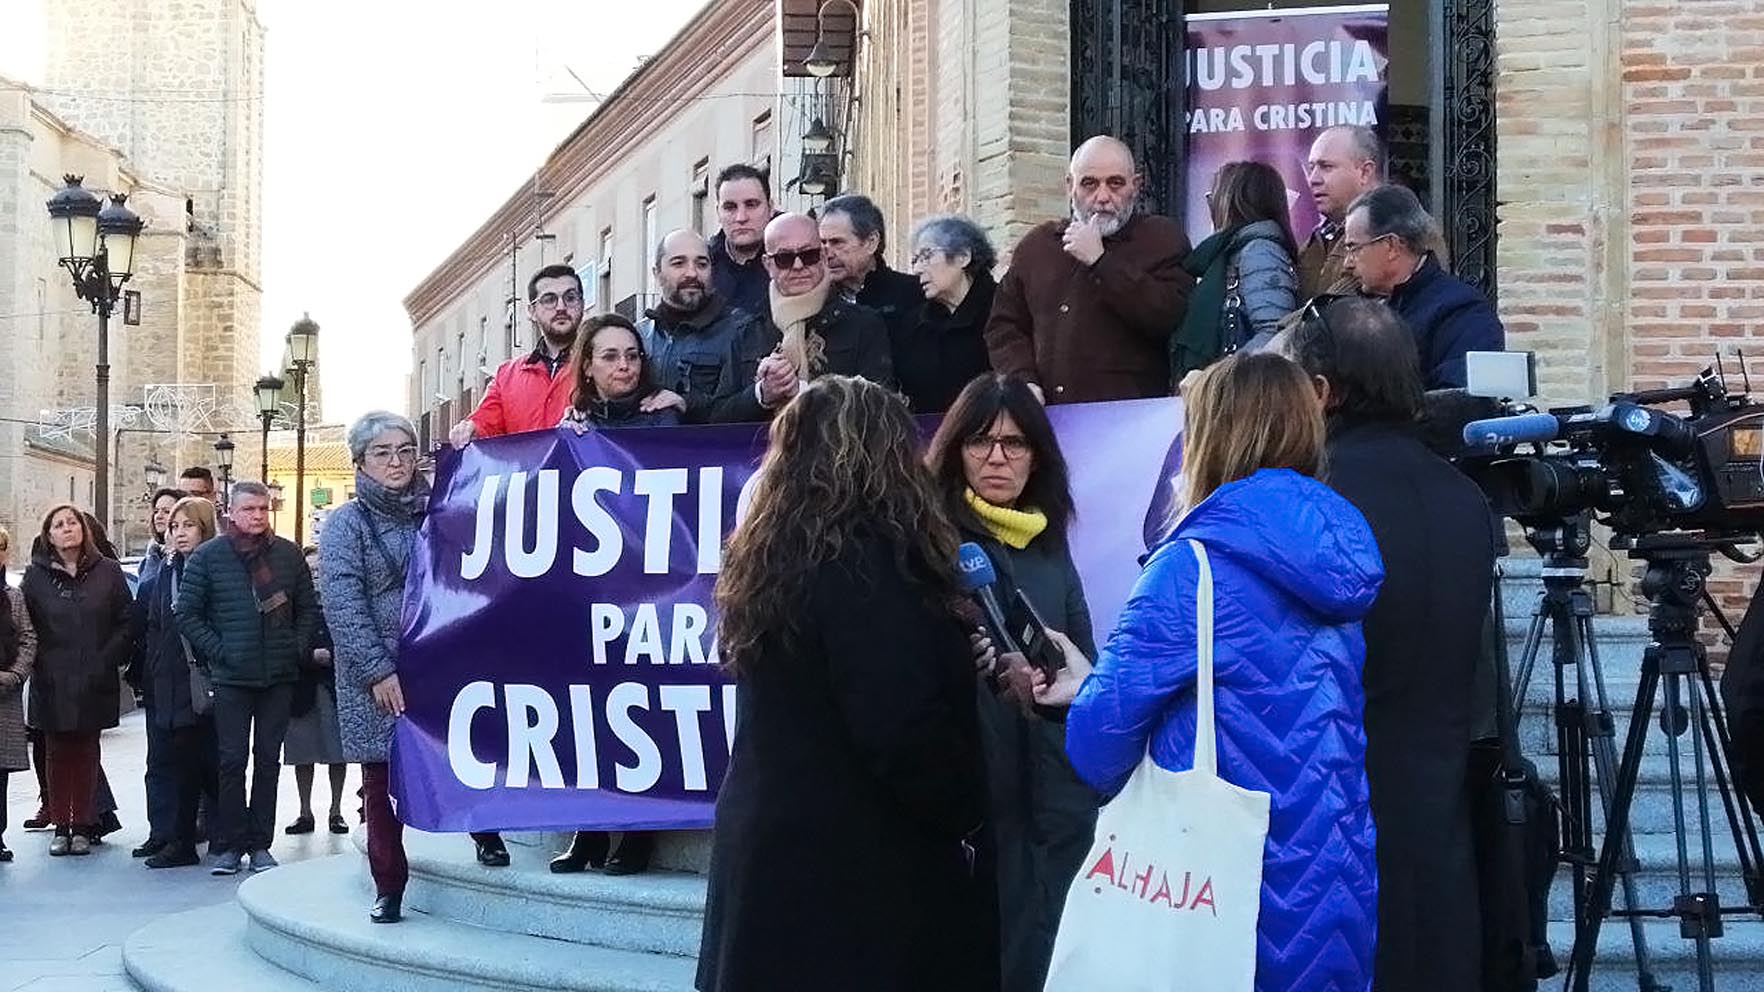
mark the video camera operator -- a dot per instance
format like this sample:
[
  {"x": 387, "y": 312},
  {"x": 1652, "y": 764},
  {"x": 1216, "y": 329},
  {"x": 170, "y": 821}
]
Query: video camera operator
[{"x": 1424, "y": 637}]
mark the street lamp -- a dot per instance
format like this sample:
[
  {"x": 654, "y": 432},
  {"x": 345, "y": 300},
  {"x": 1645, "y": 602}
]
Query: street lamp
[
  {"x": 155, "y": 474},
  {"x": 819, "y": 138},
  {"x": 223, "y": 457},
  {"x": 821, "y": 62},
  {"x": 95, "y": 243},
  {"x": 269, "y": 401},
  {"x": 302, "y": 356},
  {"x": 275, "y": 491}
]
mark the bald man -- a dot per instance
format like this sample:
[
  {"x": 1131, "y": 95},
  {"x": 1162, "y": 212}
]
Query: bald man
[
  {"x": 1345, "y": 162},
  {"x": 808, "y": 330},
  {"x": 1088, "y": 306},
  {"x": 694, "y": 336}
]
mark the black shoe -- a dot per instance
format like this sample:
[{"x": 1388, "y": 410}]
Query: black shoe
[
  {"x": 587, "y": 850},
  {"x": 148, "y": 849},
  {"x": 492, "y": 854},
  {"x": 632, "y": 857},
  {"x": 338, "y": 824},
  {"x": 39, "y": 822},
  {"x": 302, "y": 825},
  {"x": 387, "y": 909},
  {"x": 5, "y": 854},
  {"x": 174, "y": 855}
]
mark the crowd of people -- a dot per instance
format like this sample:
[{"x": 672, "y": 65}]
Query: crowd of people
[{"x": 907, "y": 804}]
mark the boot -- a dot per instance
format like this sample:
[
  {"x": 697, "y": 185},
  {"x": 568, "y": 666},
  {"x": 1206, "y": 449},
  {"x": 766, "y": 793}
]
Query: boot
[
  {"x": 587, "y": 850},
  {"x": 632, "y": 857}
]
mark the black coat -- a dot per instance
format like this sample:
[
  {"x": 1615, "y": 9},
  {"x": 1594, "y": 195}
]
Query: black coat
[
  {"x": 856, "y": 344},
  {"x": 895, "y": 296},
  {"x": 83, "y": 629},
  {"x": 940, "y": 352},
  {"x": 164, "y": 667},
  {"x": 744, "y": 286},
  {"x": 1449, "y": 318},
  {"x": 1423, "y": 644},
  {"x": 698, "y": 356},
  {"x": 838, "y": 858}
]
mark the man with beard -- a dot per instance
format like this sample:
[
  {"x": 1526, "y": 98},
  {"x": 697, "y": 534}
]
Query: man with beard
[
  {"x": 530, "y": 392},
  {"x": 694, "y": 336},
  {"x": 808, "y": 330},
  {"x": 1088, "y": 306}
]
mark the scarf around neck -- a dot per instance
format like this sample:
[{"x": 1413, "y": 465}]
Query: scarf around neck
[
  {"x": 791, "y": 314},
  {"x": 1013, "y": 528},
  {"x": 272, "y": 599},
  {"x": 400, "y": 504}
]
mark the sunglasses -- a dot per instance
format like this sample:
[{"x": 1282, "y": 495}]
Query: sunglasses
[
  {"x": 1315, "y": 310},
  {"x": 787, "y": 259}
]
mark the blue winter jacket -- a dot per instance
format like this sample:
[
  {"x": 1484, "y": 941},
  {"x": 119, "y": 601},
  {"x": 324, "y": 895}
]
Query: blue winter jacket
[{"x": 1295, "y": 567}]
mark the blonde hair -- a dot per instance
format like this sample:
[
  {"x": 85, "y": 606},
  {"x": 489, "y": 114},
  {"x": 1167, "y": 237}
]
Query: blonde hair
[
  {"x": 198, "y": 511},
  {"x": 1249, "y": 412}
]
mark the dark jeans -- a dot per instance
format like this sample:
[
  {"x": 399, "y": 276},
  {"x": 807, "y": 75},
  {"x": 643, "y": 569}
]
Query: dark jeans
[
  {"x": 3, "y": 776},
  {"x": 385, "y": 834},
  {"x": 160, "y": 781},
  {"x": 254, "y": 720},
  {"x": 195, "y": 777}
]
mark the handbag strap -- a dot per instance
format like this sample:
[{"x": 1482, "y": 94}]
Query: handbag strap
[{"x": 1206, "y": 745}]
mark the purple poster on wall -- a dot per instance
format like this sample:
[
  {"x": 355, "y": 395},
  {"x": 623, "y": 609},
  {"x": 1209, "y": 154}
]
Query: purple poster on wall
[
  {"x": 558, "y": 656},
  {"x": 1262, "y": 84}
]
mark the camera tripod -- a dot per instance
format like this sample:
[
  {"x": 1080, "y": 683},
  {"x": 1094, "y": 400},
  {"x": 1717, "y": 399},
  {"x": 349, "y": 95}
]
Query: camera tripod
[
  {"x": 1674, "y": 666},
  {"x": 1585, "y": 730}
]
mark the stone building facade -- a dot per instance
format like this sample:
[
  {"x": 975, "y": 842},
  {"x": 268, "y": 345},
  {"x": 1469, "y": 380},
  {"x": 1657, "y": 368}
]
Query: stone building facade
[{"x": 169, "y": 110}]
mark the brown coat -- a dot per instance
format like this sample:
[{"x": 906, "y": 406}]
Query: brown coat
[
  {"x": 1097, "y": 333},
  {"x": 15, "y": 750},
  {"x": 1320, "y": 265}
]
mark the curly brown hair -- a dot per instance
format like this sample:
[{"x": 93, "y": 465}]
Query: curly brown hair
[{"x": 843, "y": 465}]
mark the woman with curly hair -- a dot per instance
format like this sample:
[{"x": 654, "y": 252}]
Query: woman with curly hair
[{"x": 842, "y": 855}]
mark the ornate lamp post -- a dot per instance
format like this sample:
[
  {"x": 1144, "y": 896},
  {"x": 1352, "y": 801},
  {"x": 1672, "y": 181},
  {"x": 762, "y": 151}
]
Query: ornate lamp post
[
  {"x": 275, "y": 491},
  {"x": 223, "y": 457},
  {"x": 269, "y": 402},
  {"x": 155, "y": 474},
  {"x": 302, "y": 356},
  {"x": 95, "y": 242}
]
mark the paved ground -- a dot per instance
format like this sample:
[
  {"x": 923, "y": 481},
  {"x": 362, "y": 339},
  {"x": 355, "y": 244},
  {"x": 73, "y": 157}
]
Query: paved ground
[{"x": 63, "y": 920}]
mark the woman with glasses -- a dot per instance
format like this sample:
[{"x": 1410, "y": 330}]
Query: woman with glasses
[
  {"x": 1295, "y": 568},
  {"x": 1248, "y": 280},
  {"x": 363, "y": 557},
  {"x": 936, "y": 355},
  {"x": 610, "y": 381},
  {"x": 1004, "y": 483}
]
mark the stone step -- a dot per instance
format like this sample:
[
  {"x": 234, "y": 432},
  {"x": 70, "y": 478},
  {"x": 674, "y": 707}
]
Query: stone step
[
  {"x": 1651, "y": 809},
  {"x": 659, "y": 912},
  {"x": 311, "y": 919},
  {"x": 203, "y": 950},
  {"x": 1738, "y": 956},
  {"x": 1656, "y": 875}
]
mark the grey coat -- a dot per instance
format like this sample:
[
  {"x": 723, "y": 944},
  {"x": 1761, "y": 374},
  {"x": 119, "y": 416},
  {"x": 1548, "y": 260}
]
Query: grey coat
[
  {"x": 363, "y": 593},
  {"x": 15, "y": 749},
  {"x": 1265, "y": 277}
]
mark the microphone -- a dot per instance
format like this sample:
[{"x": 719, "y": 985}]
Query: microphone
[
  {"x": 1523, "y": 429},
  {"x": 976, "y": 577}
]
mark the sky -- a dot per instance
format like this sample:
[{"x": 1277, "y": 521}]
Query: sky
[{"x": 392, "y": 131}]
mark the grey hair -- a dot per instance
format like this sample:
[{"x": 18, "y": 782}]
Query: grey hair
[
  {"x": 1365, "y": 143},
  {"x": 1395, "y": 210},
  {"x": 369, "y": 425},
  {"x": 863, "y": 215},
  {"x": 954, "y": 234},
  {"x": 246, "y": 487}
]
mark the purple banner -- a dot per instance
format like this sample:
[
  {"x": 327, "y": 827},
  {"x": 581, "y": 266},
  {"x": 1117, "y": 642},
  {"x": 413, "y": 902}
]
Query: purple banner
[
  {"x": 1262, "y": 84},
  {"x": 558, "y": 656}
]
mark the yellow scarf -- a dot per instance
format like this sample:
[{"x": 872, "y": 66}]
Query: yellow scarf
[{"x": 1015, "y": 528}]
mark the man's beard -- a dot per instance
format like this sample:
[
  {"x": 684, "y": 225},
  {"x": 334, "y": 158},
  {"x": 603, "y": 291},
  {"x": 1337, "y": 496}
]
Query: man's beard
[
  {"x": 562, "y": 339},
  {"x": 689, "y": 297},
  {"x": 1111, "y": 226}
]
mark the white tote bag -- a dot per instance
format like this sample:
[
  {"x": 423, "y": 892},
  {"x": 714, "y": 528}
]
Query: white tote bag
[{"x": 1168, "y": 898}]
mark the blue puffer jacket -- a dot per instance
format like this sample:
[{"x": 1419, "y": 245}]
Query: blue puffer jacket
[{"x": 1295, "y": 567}]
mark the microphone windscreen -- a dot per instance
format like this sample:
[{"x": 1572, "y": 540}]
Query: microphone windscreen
[{"x": 974, "y": 568}]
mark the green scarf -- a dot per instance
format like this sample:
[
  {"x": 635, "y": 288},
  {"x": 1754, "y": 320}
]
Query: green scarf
[
  {"x": 1014, "y": 528},
  {"x": 1196, "y": 344}
]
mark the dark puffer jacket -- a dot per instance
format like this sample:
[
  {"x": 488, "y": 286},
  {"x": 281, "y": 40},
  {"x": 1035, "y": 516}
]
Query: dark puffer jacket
[
  {"x": 217, "y": 611},
  {"x": 82, "y": 624},
  {"x": 165, "y": 670}
]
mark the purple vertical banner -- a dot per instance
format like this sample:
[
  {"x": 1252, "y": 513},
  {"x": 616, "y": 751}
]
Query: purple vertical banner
[
  {"x": 558, "y": 653},
  {"x": 1262, "y": 84}
]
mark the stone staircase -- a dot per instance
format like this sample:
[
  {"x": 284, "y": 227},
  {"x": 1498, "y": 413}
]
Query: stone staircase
[
  {"x": 1739, "y": 955},
  {"x": 304, "y": 926}
]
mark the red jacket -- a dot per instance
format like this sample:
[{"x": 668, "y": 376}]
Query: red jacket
[{"x": 523, "y": 396}]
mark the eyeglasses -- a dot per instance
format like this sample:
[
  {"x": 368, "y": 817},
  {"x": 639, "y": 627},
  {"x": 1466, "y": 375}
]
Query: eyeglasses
[
  {"x": 925, "y": 255},
  {"x": 1354, "y": 247},
  {"x": 611, "y": 355},
  {"x": 570, "y": 299},
  {"x": 1315, "y": 310},
  {"x": 787, "y": 259},
  {"x": 1014, "y": 446},
  {"x": 385, "y": 454}
]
